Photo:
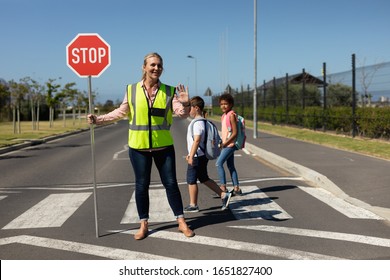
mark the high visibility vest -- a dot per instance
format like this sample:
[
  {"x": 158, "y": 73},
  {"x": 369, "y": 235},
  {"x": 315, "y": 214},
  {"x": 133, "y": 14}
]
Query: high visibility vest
[{"x": 149, "y": 126}]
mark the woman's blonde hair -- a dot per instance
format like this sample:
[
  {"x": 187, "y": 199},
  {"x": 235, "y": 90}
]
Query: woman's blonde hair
[{"x": 149, "y": 55}]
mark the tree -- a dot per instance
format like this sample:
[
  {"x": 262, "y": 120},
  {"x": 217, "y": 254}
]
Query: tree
[
  {"x": 4, "y": 99},
  {"x": 339, "y": 95},
  {"x": 34, "y": 95},
  {"x": 82, "y": 102},
  {"x": 108, "y": 106},
  {"x": 37, "y": 95},
  {"x": 18, "y": 92},
  {"x": 65, "y": 98},
  {"x": 50, "y": 100},
  {"x": 366, "y": 78}
]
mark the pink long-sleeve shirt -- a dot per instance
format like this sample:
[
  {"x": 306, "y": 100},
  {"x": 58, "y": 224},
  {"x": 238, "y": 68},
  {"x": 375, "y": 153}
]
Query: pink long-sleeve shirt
[{"x": 124, "y": 110}]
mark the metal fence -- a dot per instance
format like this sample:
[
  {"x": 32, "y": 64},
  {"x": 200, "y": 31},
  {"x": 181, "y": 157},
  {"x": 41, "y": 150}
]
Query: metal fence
[{"x": 354, "y": 102}]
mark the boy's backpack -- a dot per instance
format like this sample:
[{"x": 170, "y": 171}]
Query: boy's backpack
[
  {"x": 241, "y": 136},
  {"x": 210, "y": 147}
]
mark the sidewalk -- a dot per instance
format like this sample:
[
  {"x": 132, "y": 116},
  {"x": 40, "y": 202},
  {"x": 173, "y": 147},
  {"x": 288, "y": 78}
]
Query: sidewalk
[{"x": 361, "y": 180}]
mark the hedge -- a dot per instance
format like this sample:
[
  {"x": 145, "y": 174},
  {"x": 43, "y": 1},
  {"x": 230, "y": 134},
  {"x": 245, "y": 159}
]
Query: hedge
[{"x": 370, "y": 122}]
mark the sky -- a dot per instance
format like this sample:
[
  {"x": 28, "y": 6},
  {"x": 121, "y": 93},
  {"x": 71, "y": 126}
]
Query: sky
[{"x": 219, "y": 34}]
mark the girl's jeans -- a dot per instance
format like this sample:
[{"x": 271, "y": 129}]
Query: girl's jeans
[
  {"x": 166, "y": 165},
  {"x": 227, "y": 155}
]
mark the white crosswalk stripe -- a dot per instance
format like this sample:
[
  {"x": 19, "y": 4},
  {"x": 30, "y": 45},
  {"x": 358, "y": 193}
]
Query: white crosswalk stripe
[
  {"x": 255, "y": 204},
  {"x": 2, "y": 196},
  {"x": 52, "y": 211},
  {"x": 159, "y": 211},
  {"x": 342, "y": 206},
  {"x": 362, "y": 239},
  {"x": 263, "y": 249},
  {"x": 71, "y": 246}
]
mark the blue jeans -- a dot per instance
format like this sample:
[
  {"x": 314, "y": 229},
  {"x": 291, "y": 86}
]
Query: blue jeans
[
  {"x": 227, "y": 155},
  {"x": 166, "y": 165}
]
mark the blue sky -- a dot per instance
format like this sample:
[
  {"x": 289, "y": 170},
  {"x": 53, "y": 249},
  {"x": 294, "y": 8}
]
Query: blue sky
[{"x": 220, "y": 33}]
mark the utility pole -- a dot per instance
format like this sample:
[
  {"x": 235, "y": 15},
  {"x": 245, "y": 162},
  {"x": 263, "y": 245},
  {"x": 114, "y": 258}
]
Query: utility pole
[
  {"x": 255, "y": 74},
  {"x": 196, "y": 73}
]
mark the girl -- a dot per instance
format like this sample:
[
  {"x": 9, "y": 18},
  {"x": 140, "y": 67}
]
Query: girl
[{"x": 226, "y": 103}]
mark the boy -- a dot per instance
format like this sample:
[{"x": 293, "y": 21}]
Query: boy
[{"x": 197, "y": 161}]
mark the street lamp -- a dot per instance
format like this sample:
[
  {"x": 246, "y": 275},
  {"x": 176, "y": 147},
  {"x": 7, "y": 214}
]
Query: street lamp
[
  {"x": 196, "y": 73},
  {"x": 255, "y": 76}
]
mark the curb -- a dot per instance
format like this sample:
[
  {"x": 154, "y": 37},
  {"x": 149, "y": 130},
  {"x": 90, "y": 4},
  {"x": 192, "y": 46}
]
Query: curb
[
  {"x": 316, "y": 179},
  {"x": 29, "y": 143}
]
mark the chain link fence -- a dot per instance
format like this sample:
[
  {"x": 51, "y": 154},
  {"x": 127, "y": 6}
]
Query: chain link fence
[{"x": 355, "y": 102}]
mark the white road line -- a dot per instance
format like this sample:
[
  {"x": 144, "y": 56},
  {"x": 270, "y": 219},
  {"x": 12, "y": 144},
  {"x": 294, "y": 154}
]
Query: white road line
[
  {"x": 347, "y": 209},
  {"x": 76, "y": 247},
  {"x": 159, "y": 210},
  {"x": 3, "y": 196},
  {"x": 70, "y": 187},
  {"x": 53, "y": 211},
  {"x": 87, "y": 187},
  {"x": 269, "y": 250},
  {"x": 370, "y": 240},
  {"x": 116, "y": 155},
  {"x": 2, "y": 192},
  {"x": 255, "y": 204}
]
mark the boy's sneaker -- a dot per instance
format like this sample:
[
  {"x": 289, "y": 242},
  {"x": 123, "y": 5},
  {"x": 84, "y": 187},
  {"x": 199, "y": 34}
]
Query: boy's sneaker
[
  {"x": 226, "y": 200},
  {"x": 239, "y": 192},
  {"x": 191, "y": 209}
]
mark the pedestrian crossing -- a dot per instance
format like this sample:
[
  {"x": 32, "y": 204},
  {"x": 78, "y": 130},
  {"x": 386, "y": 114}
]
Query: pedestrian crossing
[
  {"x": 347, "y": 209},
  {"x": 255, "y": 204},
  {"x": 55, "y": 209},
  {"x": 159, "y": 211}
]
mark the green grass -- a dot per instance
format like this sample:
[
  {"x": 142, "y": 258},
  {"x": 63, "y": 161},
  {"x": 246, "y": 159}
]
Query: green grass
[
  {"x": 8, "y": 137},
  {"x": 372, "y": 147}
]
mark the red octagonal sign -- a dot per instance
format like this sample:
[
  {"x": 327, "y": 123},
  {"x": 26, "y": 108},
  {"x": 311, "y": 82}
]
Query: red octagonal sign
[{"x": 88, "y": 55}]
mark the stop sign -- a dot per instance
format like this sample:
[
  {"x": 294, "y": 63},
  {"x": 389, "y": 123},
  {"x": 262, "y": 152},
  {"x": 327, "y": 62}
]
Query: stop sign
[{"x": 88, "y": 55}]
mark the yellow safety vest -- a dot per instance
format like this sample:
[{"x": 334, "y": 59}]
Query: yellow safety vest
[{"x": 149, "y": 126}]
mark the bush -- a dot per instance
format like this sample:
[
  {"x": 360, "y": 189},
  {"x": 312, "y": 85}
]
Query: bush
[{"x": 371, "y": 122}]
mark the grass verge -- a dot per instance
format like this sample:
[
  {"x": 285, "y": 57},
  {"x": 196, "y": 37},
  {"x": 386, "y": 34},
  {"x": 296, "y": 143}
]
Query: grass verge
[
  {"x": 372, "y": 147},
  {"x": 8, "y": 137}
]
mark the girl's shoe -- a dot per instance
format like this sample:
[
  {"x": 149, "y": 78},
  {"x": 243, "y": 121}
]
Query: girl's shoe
[
  {"x": 226, "y": 200},
  {"x": 239, "y": 192}
]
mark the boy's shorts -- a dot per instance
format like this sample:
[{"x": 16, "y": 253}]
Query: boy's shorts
[{"x": 198, "y": 170}]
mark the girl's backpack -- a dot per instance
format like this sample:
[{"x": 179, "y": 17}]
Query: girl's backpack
[{"x": 241, "y": 136}]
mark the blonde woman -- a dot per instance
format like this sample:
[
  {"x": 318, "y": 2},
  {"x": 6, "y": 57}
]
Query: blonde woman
[{"x": 149, "y": 105}]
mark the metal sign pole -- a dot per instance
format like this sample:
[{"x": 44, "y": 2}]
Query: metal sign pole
[
  {"x": 255, "y": 81},
  {"x": 91, "y": 111}
]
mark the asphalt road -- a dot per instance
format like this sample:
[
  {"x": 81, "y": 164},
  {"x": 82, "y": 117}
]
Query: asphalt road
[{"x": 47, "y": 209}]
